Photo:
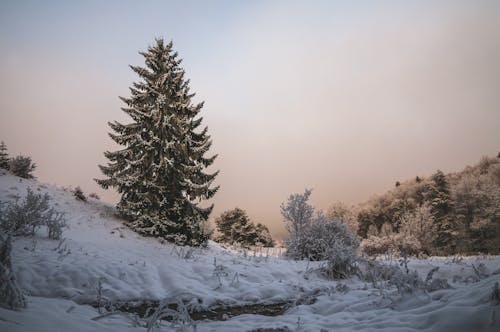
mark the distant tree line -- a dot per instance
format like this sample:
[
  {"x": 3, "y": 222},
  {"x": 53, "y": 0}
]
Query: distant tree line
[{"x": 440, "y": 215}]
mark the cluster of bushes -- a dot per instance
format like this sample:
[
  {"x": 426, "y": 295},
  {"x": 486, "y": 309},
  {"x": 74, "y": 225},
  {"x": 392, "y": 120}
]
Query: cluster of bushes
[
  {"x": 234, "y": 226},
  {"x": 24, "y": 218},
  {"x": 21, "y": 166},
  {"x": 314, "y": 236}
]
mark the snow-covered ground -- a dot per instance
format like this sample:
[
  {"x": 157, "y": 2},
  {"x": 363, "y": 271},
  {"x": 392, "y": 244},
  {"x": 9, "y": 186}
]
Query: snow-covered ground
[{"x": 101, "y": 256}]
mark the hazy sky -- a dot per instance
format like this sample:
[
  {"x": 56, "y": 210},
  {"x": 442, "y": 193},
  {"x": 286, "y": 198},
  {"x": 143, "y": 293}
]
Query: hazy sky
[{"x": 343, "y": 97}]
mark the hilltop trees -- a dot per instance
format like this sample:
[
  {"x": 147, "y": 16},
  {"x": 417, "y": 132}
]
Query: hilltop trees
[
  {"x": 443, "y": 214},
  {"x": 22, "y": 166},
  {"x": 161, "y": 170}
]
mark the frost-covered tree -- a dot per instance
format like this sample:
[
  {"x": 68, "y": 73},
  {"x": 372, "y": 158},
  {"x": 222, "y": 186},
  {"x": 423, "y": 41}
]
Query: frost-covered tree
[
  {"x": 419, "y": 225},
  {"x": 341, "y": 212},
  {"x": 160, "y": 171},
  {"x": 297, "y": 214},
  {"x": 4, "y": 156},
  {"x": 438, "y": 195}
]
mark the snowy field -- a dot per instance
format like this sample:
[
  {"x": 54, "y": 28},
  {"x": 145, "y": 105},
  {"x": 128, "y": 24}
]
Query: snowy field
[{"x": 101, "y": 261}]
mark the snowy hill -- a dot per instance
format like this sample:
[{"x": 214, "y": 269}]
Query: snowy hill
[{"x": 101, "y": 262}]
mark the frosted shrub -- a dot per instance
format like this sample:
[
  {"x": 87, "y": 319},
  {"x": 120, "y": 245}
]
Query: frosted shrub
[
  {"x": 55, "y": 223},
  {"x": 399, "y": 243},
  {"x": 25, "y": 217},
  {"x": 405, "y": 281},
  {"x": 22, "y": 166},
  {"x": 375, "y": 245},
  {"x": 319, "y": 238},
  {"x": 79, "y": 195}
]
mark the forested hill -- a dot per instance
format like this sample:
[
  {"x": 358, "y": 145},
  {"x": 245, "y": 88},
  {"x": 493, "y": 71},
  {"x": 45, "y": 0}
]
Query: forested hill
[{"x": 441, "y": 214}]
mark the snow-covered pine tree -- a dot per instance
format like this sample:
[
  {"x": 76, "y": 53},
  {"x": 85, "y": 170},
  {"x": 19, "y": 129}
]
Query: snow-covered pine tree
[
  {"x": 161, "y": 171},
  {"x": 4, "y": 156},
  {"x": 441, "y": 205}
]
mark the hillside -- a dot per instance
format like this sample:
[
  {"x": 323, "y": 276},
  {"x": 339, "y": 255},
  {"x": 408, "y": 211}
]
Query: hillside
[
  {"x": 462, "y": 210},
  {"x": 100, "y": 263}
]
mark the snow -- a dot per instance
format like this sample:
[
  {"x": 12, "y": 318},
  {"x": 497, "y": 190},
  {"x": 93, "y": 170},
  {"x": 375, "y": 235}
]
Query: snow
[{"x": 61, "y": 279}]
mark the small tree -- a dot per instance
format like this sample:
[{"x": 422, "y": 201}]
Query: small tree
[
  {"x": 297, "y": 214},
  {"x": 263, "y": 236},
  {"x": 234, "y": 226},
  {"x": 4, "y": 156},
  {"x": 22, "y": 166},
  {"x": 419, "y": 225}
]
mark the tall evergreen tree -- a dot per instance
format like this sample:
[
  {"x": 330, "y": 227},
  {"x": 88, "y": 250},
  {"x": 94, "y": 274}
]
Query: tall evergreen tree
[
  {"x": 4, "y": 156},
  {"x": 161, "y": 170}
]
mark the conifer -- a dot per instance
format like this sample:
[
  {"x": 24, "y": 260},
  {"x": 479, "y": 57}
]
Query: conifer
[
  {"x": 4, "y": 156},
  {"x": 161, "y": 170}
]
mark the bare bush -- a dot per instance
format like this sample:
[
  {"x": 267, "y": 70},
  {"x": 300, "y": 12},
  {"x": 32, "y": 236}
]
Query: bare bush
[
  {"x": 384, "y": 276},
  {"x": 26, "y": 217},
  {"x": 55, "y": 223}
]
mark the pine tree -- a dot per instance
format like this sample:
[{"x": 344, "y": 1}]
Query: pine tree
[
  {"x": 4, "y": 156},
  {"x": 234, "y": 226},
  {"x": 441, "y": 205},
  {"x": 161, "y": 170}
]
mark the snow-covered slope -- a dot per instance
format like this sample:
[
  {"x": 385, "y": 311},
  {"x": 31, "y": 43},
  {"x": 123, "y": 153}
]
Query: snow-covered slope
[{"x": 100, "y": 255}]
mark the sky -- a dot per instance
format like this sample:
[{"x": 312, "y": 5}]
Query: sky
[{"x": 340, "y": 96}]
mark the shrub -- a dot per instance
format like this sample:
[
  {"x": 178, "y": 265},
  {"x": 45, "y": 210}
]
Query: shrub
[
  {"x": 395, "y": 242},
  {"x": 25, "y": 217},
  {"x": 22, "y": 166},
  {"x": 319, "y": 238},
  {"x": 332, "y": 241},
  {"x": 375, "y": 245},
  {"x": 94, "y": 196},
  {"x": 55, "y": 223},
  {"x": 79, "y": 195}
]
